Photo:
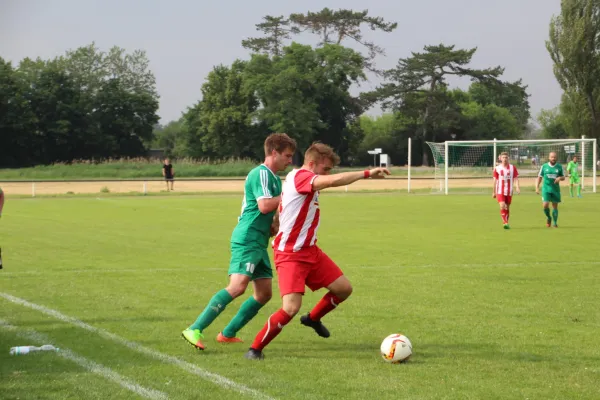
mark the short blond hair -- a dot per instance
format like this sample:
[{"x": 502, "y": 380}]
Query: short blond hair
[
  {"x": 504, "y": 154},
  {"x": 319, "y": 151},
  {"x": 279, "y": 142}
]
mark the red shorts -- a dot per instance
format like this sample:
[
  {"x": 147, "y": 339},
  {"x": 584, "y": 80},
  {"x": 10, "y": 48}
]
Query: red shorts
[
  {"x": 307, "y": 267},
  {"x": 502, "y": 198}
]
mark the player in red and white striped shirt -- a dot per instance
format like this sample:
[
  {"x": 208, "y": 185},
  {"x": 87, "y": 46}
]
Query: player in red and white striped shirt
[
  {"x": 506, "y": 177},
  {"x": 298, "y": 260}
]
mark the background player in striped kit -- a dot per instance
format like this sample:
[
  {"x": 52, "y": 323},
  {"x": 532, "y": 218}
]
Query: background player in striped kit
[
  {"x": 298, "y": 260},
  {"x": 506, "y": 177}
]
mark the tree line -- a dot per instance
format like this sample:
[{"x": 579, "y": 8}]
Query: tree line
[{"x": 89, "y": 104}]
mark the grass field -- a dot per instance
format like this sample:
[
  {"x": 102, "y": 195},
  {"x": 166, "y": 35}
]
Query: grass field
[{"x": 492, "y": 314}]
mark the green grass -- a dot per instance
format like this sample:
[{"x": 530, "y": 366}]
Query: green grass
[
  {"x": 142, "y": 168},
  {"x": 492, "y": 314}
]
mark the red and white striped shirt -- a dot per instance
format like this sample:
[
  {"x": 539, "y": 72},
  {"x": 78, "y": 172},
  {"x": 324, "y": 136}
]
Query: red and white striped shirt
[
  {"x": 298, "y": 212},
  {"x": 505, "y": 179}
]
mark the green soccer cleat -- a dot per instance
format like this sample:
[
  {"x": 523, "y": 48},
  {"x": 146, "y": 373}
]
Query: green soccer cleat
[
  {"x": 193, "y": 336},
  {"x": 506, "y": 226}
]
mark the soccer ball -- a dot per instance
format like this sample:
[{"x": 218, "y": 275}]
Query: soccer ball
[{"x": 396, "y": 348}]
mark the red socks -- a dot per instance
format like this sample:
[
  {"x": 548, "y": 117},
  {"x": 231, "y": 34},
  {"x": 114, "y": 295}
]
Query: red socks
[
  {"x": 326, "y": 304},
  {"x": 504, "y": 215},
  {"x": 507, "y": 215},
  {"x": 279, "y": 319},
  {"x": 272, "y": 328}
]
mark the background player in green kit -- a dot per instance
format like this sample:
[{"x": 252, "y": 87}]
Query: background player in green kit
[
  {"x": 551, "y": 174},
  {"x": 573, "y": 171},
  {"x": 249, "y": 241}
]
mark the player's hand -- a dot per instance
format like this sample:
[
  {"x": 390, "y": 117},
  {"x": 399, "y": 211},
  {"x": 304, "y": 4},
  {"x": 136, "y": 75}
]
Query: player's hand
[
  {"x": 557, "y": 180},
  {"x": 537, "y": 190},
  {"x": 493, "y": 195},
  {"x": 378, "y": 173},
  {"x": 274, "y": 229},
  {"x": 518, "y": 190}
]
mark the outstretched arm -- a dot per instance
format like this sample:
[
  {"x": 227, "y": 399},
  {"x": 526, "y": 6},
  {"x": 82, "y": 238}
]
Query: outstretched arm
[{"x": 346, "y": 178}]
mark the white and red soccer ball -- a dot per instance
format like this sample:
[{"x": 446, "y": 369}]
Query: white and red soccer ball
[{"x": 396, "y": 348}]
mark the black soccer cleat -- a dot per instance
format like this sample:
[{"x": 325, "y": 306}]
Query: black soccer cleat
[
  {"x": 254, "y": 354},
  {"x": 316, "y": 325}
]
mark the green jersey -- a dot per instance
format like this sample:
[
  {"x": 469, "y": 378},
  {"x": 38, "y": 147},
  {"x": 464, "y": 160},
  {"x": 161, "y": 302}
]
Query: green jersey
[
  {"x": 254, "y": 227},
  {"x": 572, "y": 169},
  {"x": 549, "y": 173}
]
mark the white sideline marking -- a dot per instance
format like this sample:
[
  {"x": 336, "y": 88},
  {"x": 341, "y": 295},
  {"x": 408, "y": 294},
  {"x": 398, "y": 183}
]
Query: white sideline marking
[
  {"x": 91, "y": 366},
  {"x": 217, "y": 379},
  {"x": 148, "y": 270}
]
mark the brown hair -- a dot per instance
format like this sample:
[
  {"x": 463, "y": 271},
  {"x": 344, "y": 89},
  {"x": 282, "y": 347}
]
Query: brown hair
[
  {"x": 279, "y": 142},
  {"x": 318, "y": 151},
  {"x": 504, "y": 154}
]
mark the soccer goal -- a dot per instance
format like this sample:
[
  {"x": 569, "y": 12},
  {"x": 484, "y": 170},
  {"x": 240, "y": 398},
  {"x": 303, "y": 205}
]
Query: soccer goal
[{"x": 468, "y": 165}]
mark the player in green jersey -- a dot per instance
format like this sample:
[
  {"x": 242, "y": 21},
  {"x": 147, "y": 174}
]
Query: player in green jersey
[
  {"x": 573, "y": 171},
  {"x": 249, "y": 240},
  {"x": 550, "y": 174}
]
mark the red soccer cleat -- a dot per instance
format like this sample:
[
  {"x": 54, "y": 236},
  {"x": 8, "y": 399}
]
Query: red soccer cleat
[{"x": 225, "y": 339}]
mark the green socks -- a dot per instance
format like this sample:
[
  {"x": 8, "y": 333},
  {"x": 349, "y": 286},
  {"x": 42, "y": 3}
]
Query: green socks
[
  {"x": 578, "y": 190},
  {"x": 247, "y": 311},
  {"x": 555, "y": 216},
  {"x": 216, "y": 305},
  {"x": 571, "y": 190},
  {"x": 547, "y": 212}
]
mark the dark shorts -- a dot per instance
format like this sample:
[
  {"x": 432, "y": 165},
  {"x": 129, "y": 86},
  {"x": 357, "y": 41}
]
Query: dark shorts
[{"x": 169, "y": 178}]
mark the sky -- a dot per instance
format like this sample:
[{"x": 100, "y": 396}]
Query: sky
[{"x": 185, "y": 39}]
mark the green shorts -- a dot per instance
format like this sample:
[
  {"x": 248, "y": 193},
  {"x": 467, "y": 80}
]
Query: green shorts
[
  {"x": 551, "y": 197},
  {"x": 574, "y": 180},
  {"x": 252, "y": 261}
]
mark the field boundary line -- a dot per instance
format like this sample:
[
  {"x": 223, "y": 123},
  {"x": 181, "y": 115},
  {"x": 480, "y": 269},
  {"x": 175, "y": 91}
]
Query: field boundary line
[
  {"x": 211, "y": 377},
  {"x": 87, "y": 364}
]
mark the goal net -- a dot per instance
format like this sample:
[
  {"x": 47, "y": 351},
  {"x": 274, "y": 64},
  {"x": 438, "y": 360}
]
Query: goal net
[{"x": 468, "y": 165}]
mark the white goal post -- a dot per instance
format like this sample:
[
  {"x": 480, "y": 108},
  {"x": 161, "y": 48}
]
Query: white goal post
[{"x": 458, "y": 163}]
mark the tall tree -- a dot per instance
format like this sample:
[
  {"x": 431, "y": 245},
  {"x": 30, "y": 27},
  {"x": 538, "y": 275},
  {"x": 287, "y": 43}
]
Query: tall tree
[
  {"x": 221, "y": 124},
  {"x": 334, "y": 26},
  {"x": 553, "y": 124},
  {"x": 510, "y": 95},
  {"x": 574, "y": 45},
  {"x": 305, "y": 93},
  {"x": 423, "y": 77},
  {"x": 276, "y": 31}
]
